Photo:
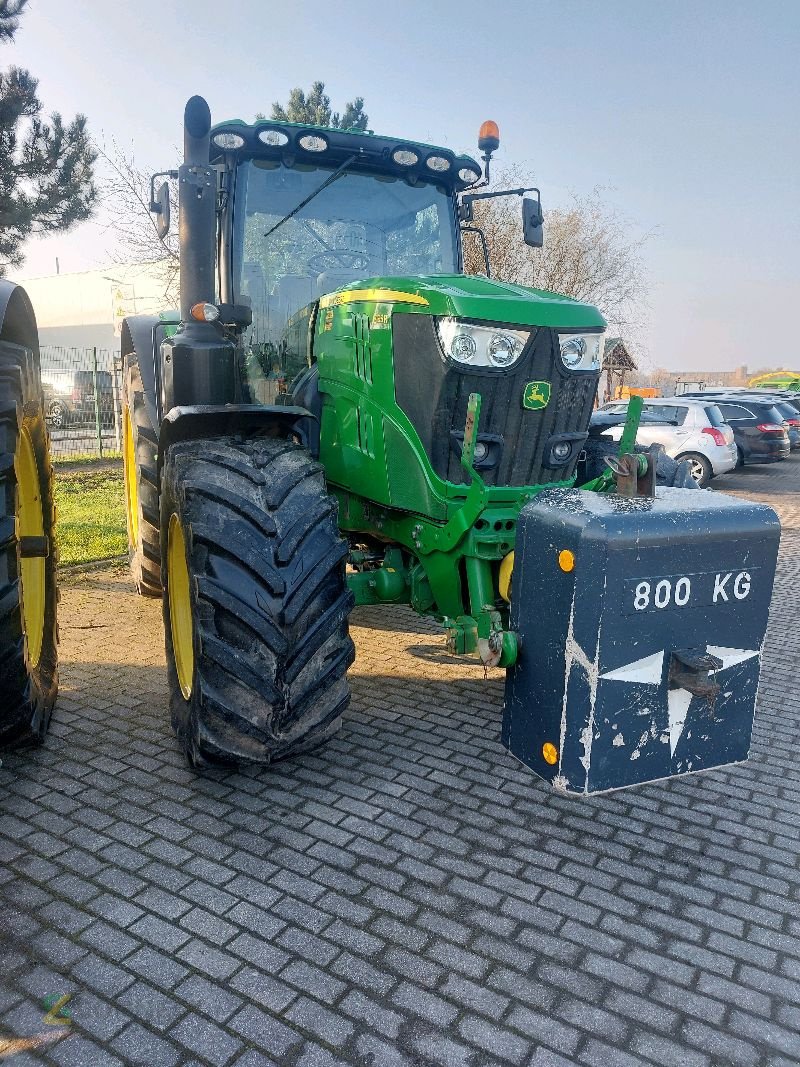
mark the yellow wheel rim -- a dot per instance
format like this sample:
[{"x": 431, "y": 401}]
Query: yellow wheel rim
[
  {"x": 180, "y": 606},
  {"x": 30, "y": 523},
  {"x": 129, "y": 469},
  {"x": 506, "y": 573}
]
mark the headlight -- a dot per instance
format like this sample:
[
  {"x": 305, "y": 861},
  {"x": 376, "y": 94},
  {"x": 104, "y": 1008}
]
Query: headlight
[
  {"x": 480, "y": 346},
  {"x": 582, "y": 351},
  {"x": 228, "y": 141}
]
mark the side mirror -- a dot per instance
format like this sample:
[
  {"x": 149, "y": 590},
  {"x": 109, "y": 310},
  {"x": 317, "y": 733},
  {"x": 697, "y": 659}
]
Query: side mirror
[
  {"x": 160, "y": 207},
  {"x": 532, "y": 221}
]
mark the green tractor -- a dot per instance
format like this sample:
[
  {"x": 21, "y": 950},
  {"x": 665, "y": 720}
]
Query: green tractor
[{"x": 338, "y": 415}]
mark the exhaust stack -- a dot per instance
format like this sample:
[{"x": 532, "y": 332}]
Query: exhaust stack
[{"x": 197, "y": 196}]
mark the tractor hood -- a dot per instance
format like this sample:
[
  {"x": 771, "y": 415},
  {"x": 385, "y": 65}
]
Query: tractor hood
[{"x": 472, "y": 296}]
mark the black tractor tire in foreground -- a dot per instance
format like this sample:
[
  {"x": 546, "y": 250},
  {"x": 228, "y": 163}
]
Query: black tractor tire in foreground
[
  {"x": 28, "y": 631},
  {"x": 140, "y": 457},
  {"x": 256, "y": 601},
  {"x": 668, "y": 470}
]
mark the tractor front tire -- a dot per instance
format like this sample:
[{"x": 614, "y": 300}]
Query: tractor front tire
[
  {"x": 28, "y": 557},
  {"x": 256, "y": 601},
  {"x": 140, "y": 455}
]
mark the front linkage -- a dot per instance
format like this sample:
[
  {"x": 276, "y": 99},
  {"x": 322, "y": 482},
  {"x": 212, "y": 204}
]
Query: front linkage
[{"x": 479, "y": 533}]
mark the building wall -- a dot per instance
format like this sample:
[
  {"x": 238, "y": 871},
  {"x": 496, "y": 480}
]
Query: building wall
[{"x": 86, "y": 309}]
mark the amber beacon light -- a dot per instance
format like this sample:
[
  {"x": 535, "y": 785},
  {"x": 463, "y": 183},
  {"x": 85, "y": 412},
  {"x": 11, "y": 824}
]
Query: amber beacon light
[{"x": 489, "y": 137}]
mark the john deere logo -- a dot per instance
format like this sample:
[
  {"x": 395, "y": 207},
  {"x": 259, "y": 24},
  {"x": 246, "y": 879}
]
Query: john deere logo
[{"x": 536, "y": 395}]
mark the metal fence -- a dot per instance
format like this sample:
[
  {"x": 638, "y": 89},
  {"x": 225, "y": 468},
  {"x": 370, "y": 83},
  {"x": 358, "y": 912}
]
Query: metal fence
[{"x": 82, "y": 390}]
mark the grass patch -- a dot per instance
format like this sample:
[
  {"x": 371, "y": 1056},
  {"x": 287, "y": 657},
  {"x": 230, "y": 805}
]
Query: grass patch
[
  {"x": 85, "y": 457},
  {"x": 90, "y": 515}
]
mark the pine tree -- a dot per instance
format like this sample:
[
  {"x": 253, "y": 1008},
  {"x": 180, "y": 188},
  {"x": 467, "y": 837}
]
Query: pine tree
[
  {"x": 46, "y": 165},
  {"x": 315, "y": 109}
]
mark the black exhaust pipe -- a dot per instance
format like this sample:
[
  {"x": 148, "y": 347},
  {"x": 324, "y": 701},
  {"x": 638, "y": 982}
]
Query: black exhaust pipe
[{"x": 197, "y": 201}]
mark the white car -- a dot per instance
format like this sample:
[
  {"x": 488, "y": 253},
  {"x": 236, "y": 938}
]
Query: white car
[{"x": 688, "y": 429}]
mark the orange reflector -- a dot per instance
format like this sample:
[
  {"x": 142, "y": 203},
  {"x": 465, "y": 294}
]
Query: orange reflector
[
  {"x": 550, "y": 753},
  {"x": 204, "y": 312},
  {"x": 566, "y": 560}
]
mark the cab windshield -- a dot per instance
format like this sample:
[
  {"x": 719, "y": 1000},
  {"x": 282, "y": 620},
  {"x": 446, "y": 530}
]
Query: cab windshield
[{"x": 359, "y": 226}]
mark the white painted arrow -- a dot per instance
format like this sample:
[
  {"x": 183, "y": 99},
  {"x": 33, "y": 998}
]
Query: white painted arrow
[
  {"x": 678, "y": 701},
  {"x": 729, "y": 656},
  {"x": 647, "y": 670},
  {"x": 650, "y": 669}
]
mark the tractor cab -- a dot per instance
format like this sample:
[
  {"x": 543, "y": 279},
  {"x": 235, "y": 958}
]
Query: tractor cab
[{"x": 306, "y": 210}]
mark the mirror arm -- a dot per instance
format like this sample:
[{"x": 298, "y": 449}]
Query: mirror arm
[
  {"x": 154, "y": 205},
  {"x": 467, "y": 198}
]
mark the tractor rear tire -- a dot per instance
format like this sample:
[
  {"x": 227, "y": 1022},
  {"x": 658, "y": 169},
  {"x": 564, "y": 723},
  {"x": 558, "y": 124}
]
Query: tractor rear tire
[
  {"x": 256, "y": 601},
  {"x": 140, "y": 455},
  {"x": 28, "y": 557}
]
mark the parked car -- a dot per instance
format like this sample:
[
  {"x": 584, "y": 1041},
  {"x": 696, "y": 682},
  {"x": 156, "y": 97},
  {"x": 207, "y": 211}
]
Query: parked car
[
  {"x": 69, "y": 397},
  {"x": 759, "y": 428},
  {"x": 791, "y": 417},
  {"x": 787, "y": 403},
  {"x": 688, "y": 429}
]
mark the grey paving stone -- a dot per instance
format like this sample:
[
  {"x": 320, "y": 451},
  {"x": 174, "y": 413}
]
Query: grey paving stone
[
  {"x": 263, "y": 989},
  {"x": 436, "y": 1048},
  {"x": 157, "y": 968},
  {"x": 253, "y": 1058},
  {"x": 542, "y": 1029},
  {"x": 328, "y": 1026},
  {"x": 310, "y": 979},
  {"x": 101, "y": 975},
  {"x": 718, "y": 1044},
  {"x": 209, "y": 998},
  {"x": 508, "y": 1047},
  {"x": 146, "y": 1002},
  {"x": 139, "y": 1046},
  {"x": 365, "y": 1010},
  {"x": 161, "y": 903},
  {"x": 264, "y": 1031},
  {"x": 77, "y": 1051},
  {"x": 210, "y": 961},
  {"x": 427, "y": 1005},
  {"x": 209, "y": 1041},
  {"x": 97, "y": 1017}
]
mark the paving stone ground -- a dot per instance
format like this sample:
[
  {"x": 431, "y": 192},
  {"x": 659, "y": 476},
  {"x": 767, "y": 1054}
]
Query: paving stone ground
[{"x": 408, "y": 895}]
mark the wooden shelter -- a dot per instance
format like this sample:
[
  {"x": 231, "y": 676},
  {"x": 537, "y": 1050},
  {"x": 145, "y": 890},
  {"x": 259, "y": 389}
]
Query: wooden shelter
[{"x": 617, "y": 362}]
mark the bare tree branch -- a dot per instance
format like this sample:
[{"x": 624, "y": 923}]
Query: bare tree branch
[
  {"x": 126, "y": 197},
  {"x": 590, "y": 252}
]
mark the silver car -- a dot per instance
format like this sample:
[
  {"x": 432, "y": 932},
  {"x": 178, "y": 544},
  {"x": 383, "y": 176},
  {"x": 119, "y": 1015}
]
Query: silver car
[{"x": 688, "y": 429}]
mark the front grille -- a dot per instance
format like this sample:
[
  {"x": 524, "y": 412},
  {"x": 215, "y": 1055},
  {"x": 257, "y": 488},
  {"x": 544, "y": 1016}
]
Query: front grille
[{"x": 434, "y": 397}]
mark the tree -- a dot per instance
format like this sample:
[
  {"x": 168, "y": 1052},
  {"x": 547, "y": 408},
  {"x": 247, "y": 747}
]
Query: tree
[
  {"x": 590, "y": 252},
  {"x": 315, "y": 110},
  {"x": 126, "y": 198},
  {"x": 46, "y": 167},
  {"x": 10, "y": 11}
]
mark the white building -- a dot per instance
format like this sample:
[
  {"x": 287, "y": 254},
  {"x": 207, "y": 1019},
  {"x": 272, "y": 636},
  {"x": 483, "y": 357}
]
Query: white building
[{"x": 85, "y": 310}]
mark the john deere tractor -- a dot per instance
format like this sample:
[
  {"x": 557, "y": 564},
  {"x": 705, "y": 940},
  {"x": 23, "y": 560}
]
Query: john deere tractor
[{"x": 338, "y": 415}]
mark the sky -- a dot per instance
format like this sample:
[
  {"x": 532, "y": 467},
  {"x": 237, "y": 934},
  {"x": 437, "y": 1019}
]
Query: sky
[{"x": 685, "y": 112}]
